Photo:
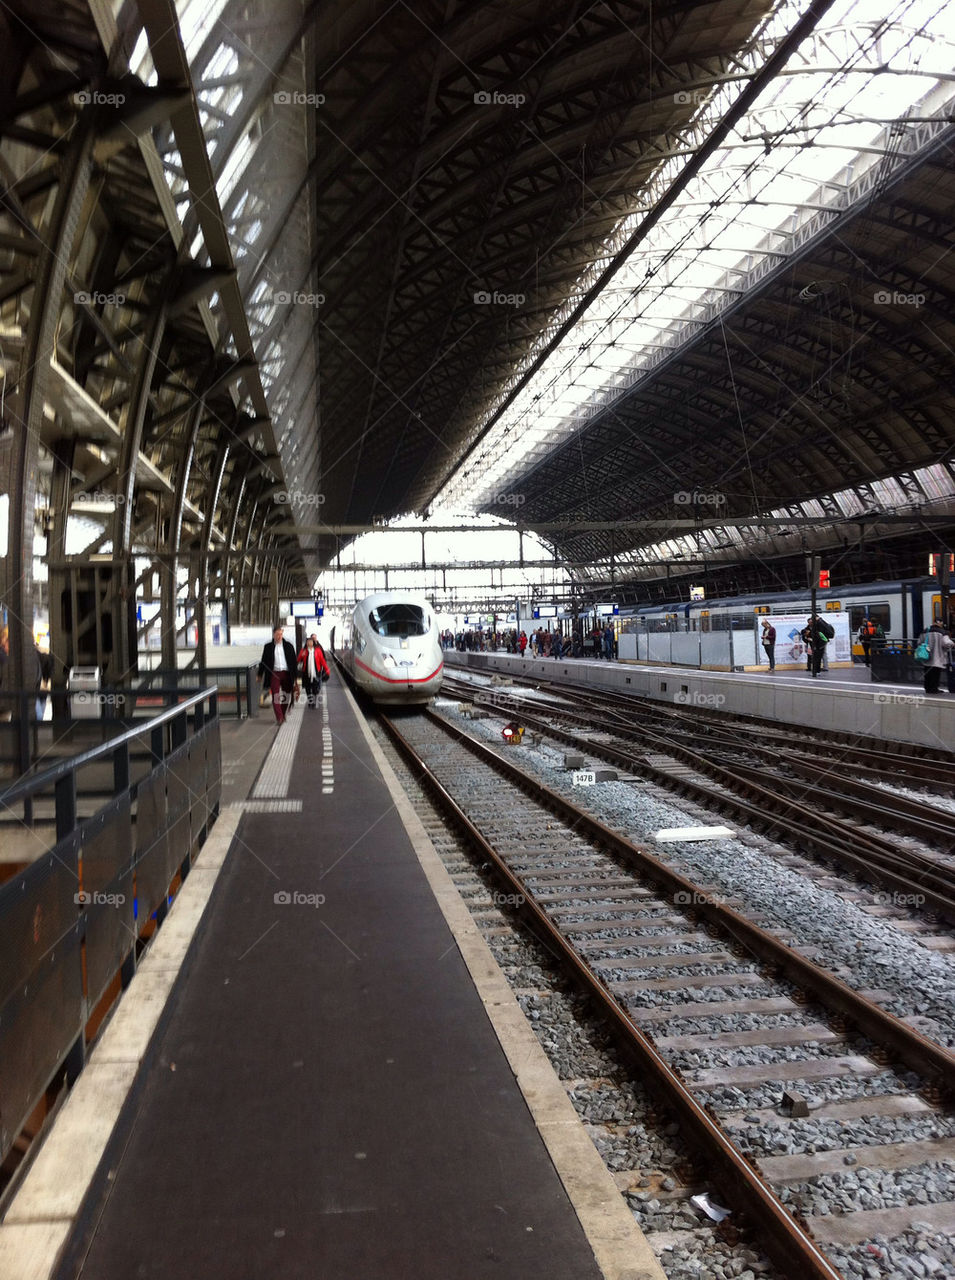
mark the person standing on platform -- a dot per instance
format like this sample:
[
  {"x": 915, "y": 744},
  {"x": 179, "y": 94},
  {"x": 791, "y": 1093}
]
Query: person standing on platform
[
  {"x": 817, "y": 644},
  {"x": 866, "y": 636},
  {"x": 277, "y": 669},
  {"x": 769, "y": 643},
  {"x": 522, "y": 642},
  {"x": 314, "y": 669},
  {"x": 940, "y": 646},
  {"x": 608, "y": 642},
  {"x": 829, "y": 631}
]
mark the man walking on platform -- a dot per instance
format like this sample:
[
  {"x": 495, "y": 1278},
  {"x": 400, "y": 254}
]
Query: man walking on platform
[{"x": 277, "y": 669}]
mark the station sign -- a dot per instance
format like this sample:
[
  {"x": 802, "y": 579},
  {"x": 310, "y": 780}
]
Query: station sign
[
  {"x": 697, "y": 593},
  {"x": 306, "y": 609},
  {"x": 545, "y": 611}
]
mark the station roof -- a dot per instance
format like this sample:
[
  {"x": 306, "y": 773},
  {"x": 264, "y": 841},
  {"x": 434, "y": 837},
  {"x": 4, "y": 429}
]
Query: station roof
[{"x": 619, "y": 262}]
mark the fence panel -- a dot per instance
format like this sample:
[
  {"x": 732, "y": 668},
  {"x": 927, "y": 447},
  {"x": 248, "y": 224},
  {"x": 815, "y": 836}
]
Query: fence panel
[
  {"x": 42, "y": 1010},
  {"x": 154, "y": 861},
  {"x": 107, "y": 898}
]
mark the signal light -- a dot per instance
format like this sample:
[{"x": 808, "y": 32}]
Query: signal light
[
  {"x": 512, "y": 732},
  {"x": 823, "y": 579}
]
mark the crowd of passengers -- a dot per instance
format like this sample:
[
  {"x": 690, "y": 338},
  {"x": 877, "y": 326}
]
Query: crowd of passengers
[{"x": 541, "y": 643}]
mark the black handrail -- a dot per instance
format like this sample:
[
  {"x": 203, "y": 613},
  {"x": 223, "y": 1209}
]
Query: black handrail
[
  {"x": 26, "y": 787},
  {"x": 76, "y": 915},
  {"x": 174, "y": 676}
]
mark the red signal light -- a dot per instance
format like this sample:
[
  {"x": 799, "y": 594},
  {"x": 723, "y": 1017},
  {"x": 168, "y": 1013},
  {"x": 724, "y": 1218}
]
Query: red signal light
[{"x": 823, "y": 579}]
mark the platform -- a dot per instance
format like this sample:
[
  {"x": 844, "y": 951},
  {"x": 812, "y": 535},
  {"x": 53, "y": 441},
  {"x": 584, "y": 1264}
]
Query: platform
[
  {"x": 324, "y": 1094},
  {"x": 843, "y": 699}
]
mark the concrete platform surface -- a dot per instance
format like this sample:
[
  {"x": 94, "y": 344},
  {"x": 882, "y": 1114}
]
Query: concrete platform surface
[{"x": 325, "y": 1095}]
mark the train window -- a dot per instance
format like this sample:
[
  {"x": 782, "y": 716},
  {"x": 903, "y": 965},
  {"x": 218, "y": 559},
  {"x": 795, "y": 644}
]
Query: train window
[
  {"x": 399, "y": 619},
  {"x": 879, "y": 613}
]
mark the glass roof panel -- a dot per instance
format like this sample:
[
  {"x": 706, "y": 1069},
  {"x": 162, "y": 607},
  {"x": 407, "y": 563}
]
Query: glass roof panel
[
  {"x": 935, "y": 481},
  {"x": 786, "y": 167}
]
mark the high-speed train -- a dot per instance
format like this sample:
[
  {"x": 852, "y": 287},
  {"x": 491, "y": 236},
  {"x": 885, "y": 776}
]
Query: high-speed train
[{"x": 395, "y": 652}]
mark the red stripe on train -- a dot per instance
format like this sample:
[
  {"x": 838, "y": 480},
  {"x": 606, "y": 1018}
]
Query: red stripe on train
[{"x": 406, "y": 680}]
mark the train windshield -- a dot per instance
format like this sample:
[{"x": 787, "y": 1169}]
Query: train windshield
[{"x": 401, "y": 620}]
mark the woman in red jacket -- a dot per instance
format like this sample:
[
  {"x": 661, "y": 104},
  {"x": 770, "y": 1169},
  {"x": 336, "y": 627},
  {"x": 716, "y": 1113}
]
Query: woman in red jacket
[{"x": 311, "y": 663}]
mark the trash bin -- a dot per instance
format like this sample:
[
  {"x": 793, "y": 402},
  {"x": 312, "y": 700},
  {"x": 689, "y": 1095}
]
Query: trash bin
[{"x": 82, "y": 684}]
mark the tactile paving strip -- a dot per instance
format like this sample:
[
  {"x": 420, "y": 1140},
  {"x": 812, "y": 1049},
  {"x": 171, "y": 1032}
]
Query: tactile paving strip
[
  {"x": 273, "y": 782},
  {"x": 271, "y": 806}
]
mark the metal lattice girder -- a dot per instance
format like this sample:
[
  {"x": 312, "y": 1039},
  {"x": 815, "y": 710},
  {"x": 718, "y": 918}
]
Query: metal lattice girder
[
  {"x": 331, "y": 220},
  {"x": 803, "y": 385},
  {"x": 511, "y": 200},
  {"x": 134, "y": 332},
  {"x": 914, "y": 146}
]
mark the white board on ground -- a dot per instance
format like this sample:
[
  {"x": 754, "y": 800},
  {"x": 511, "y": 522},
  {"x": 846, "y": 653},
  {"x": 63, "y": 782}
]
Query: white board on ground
[{"x": 693, "y": 833}]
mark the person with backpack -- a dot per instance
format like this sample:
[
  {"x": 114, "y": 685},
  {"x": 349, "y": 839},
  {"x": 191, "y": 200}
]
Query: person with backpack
[
  {"x": 938, "y": 645},
  {"x": 817, "y": 641},
  {"x": 829, "y": 631}
]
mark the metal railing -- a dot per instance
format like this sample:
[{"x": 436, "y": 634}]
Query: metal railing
[
  {"x": 72, "y": 920},
  {"x": 238, "y": 686},
  {"x": 102, "y": 713},
  {"x": 893, "y": 661}
]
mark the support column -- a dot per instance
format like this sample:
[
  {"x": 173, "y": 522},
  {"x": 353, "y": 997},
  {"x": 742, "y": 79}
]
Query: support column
[{"x": 18, "y": 470}]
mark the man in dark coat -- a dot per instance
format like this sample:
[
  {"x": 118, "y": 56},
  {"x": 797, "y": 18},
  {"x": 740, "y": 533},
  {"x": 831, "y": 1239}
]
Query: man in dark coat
[{"x": 279, "y": 670}]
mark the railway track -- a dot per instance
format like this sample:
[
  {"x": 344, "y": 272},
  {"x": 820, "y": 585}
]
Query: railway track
[
  {"x": 736, "y": 735},
  {"x": 694, "y": 994},
  {"x": 813, "y": 810}
]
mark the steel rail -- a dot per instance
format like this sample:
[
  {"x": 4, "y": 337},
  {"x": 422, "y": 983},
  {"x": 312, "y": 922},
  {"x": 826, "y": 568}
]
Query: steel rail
[
  {"x": 855, "y": 797},
  {"x": 926, "y": 763},
  {"x": 938, "y": 763},
  {"x": 787, "y": 1241},
  {"x": 863, "y": 853},
  {"x": 917, "y": 1052},
  {"x": 872, "y": 806}
]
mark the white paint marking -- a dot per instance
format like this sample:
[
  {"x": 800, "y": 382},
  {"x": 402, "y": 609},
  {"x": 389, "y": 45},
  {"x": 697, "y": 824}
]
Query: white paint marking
[{"x": 668, "y": 834}]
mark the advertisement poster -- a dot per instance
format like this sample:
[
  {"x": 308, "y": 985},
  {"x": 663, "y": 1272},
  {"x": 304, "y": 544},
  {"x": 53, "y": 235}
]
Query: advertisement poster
[{"x": 790, "y": 649}]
